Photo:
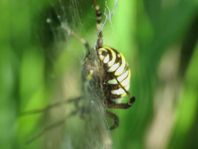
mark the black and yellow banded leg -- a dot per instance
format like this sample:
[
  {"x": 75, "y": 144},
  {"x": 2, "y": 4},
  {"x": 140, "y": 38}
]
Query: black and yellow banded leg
[
  {"x": 98, "y": 25},
  {"x": 111, "y": 104}
]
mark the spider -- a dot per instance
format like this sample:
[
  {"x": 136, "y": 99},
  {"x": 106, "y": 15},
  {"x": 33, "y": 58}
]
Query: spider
[
  {"x": 106, "y": 75},
  {"x": 109, "y": 67}
]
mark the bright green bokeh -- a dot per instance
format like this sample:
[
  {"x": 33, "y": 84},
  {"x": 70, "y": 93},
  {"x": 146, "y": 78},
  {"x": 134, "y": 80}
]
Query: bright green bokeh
[{"x": 35, "y": 64}]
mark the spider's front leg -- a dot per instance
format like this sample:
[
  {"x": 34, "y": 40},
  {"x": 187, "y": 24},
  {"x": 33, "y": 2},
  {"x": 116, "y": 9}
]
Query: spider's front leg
[
  {"x": 83, "y": 41},
  {"x": 114, "y": 105}
]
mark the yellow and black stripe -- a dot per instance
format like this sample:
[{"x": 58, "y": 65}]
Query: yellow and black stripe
[
  {"x": 98, "y": 25},
  {"x": 117, "y": 73}
]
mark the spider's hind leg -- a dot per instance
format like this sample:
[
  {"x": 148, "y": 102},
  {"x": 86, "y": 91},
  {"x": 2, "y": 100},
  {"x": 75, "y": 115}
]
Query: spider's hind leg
[
  {"x": 127, "y": 105},
  {"x": 115, "y": 119}
]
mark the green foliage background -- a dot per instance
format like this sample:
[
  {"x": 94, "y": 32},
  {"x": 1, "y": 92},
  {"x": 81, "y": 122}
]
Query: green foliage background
[{"x": 35, "y": 58}]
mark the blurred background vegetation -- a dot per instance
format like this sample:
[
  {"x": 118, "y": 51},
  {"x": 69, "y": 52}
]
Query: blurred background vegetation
[{"x": 39, "y": 64}]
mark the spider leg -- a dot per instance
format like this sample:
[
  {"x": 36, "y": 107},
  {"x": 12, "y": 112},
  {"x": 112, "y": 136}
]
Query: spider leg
[
  {"x": 54, "y": 105},
  {"x": 51, "y": 126},
  {"x": 98, "y": 24},
  {"x": 75, "y": 35},
  {"x": 114, "y": 105},
  {"x": 122, "y": 86},
  {"x": 124, "y": 105},
  {"x": 115, "y": 119}
]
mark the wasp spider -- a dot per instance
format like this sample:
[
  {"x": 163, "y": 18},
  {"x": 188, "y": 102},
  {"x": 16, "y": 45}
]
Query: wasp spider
[
  {"x": 108, "y": 73},
  {"x": 116, "y": 72},
  {"x": 112, "y": 75}
]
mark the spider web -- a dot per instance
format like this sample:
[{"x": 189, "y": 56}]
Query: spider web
[{"x": 88, "y": 130}]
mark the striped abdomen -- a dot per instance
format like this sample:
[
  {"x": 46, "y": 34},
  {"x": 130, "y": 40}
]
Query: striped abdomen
[{"x": 117, "y": 73}]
